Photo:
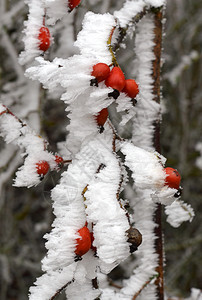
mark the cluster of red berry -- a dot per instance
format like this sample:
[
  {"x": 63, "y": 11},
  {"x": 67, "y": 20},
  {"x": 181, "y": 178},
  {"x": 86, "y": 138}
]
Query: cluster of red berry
[
  {"x": 116, "y": 80},
  {"x": 44, "y": 36},
  {"x": 43, "y": 166}
]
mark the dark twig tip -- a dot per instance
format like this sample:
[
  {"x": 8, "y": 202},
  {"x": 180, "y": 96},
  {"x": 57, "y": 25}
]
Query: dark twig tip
[
  {"x": 114, "y": 94},
  {"x": 93, "y": 82}
]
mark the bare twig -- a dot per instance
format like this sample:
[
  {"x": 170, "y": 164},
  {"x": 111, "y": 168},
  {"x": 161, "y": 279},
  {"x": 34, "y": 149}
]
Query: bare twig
[
  {"x": 7, "y": 111},
  {"x": 61, "y": 289},
  {"x": 95, "y": 283},
  {"x": 67, "y": 161},
  {"x": 142, "y": 288},
  {"x": 111, "y": 283},
  {"x": 115, "y": 136},
  {"x": 156, "y": 92},
  {"x": 123, "y": 31},
  {"x": 114, "y": 61}
]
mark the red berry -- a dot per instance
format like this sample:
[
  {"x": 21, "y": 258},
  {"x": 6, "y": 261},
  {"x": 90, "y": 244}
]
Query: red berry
[
  {"x": 102, "y": 117},
  {"x": 42, "y": 167},
  {"x": 130, "y": 88},
  {"x": 100, "y": 71},
  {"x": 73, "y": 3},
  {"x": 116, "y": 79},
  {"x": 44, "y": 38},
  {"x": 59, "y": 160},
  {"x": 173, "y": 178},
  {"x": 83, "y": 243}
]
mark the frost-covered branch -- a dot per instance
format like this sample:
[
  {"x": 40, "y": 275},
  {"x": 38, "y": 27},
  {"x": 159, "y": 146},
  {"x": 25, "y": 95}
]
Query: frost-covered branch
[
  {"x": 61, "y": 289},
  {"x": 15, "y": 131},
  {"x": 93, "y": 232}
]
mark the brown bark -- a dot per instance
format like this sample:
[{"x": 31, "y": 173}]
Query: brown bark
[
  {"x": 156, "y": 92},
  {"x": 61, "y": 289}
]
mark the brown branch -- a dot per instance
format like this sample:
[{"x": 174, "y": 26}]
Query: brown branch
[
  {"x": 111, "y": 283},
  {"x": 67, "y": 161},
  {"x": 7, "y": 111},
  {"x": 115, "y": 136},
  {"x": 114, "y": 61},
  {"x": 175, "y": 298},
  {"x": 95, "y": 283},
  {"x": 3, "y": 112},
  {"x": 156, "y": 92},
  {"x": 123, "y": 31},
  {"x": 119, "y": 187},
  {"x": 140, "y": 290},
  {"x": 61, "y": 289}
]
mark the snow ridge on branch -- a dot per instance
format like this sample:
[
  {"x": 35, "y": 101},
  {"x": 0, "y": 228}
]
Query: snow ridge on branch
[{"x": 14, "y": 131}]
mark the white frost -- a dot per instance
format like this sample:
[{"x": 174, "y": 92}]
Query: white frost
[
  {"x": 179, "y": 212},
  {"x": 146, "y": 166}
]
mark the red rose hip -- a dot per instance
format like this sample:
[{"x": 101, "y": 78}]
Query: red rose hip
[
  {"x": 173, "y": 178},
  {"x": 59, "y": 160},
  {"x": 116, "y": 79},
  {"x": 42, "y": 167},
  {"x": 131, "y": 88},
  {"x": 73, "y": 3},
  {"x": 83, "y": 243},
  {"x": 44, "y": 38},
  {"x": 102, "y": 117},
  {"x": 100, "y": 71}
]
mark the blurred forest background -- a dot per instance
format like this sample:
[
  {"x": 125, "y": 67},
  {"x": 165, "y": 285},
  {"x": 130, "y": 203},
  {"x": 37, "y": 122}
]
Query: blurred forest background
[{"x": 26, "y": 214}]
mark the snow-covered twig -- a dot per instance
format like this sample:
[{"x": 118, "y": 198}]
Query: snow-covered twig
[{"x": 15, "y": 131}]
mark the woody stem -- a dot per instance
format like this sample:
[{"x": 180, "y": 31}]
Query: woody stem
[{"x": 156, "y": 92}]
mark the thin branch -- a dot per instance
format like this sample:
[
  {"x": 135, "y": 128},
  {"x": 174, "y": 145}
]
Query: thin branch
[
  {"x": 114, "y": 60},
  {"x": 111, "y": 283},
  {"x": 142, "y": 288},
  {"x": 68, "y": 161},
  {"x": 123, "y": 31},
  {"x": 156, "y": 93},
  {"x": 95, "y": 283},
  {"x": 61, "y": 289},
  {"x": 115, "y": 136},
  {"x": 7, "y": 111}
]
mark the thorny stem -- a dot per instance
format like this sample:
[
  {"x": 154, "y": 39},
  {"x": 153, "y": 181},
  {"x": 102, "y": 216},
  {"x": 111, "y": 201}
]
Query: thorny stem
[
  {"x": 123, "y": 31},
  {"x": 115, "y": 136},
  {"x": 111, "y": 283},
  {"x": 140, "y": 290},
  {"x": 156, "y": 92},
  {"x": 122, "y": 35},
  {"x": 61, "y": 289},
  {"x": 67, "y": 161},
  {"x": 44, "y": 17},
  {"x": 114, "y": 61},
  {"x": 95, "y": 283},
  {"x": 7, "y": 111}
]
